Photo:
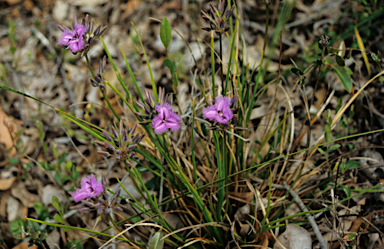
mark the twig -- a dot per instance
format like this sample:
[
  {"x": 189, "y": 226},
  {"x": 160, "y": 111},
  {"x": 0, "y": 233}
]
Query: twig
[{"x": 299, "y": 202}]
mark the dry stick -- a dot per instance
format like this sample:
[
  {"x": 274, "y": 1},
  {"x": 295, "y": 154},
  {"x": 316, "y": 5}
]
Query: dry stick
[{"x": 296, "y": 198}]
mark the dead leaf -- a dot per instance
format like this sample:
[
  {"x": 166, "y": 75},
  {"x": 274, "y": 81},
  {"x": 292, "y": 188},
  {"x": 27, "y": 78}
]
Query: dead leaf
[
  {"x": 6, "y": 183},
  {"x": 246, "y": 197},
  {"x": 24, "y": 245},
  {"x": 207, "y": 174},
  {"x": 130, "y": 7},
  {"x": 359, "y": 225},
  {"x": 294, "y": 237},
  {"x": 53, "y": 240},
  {"x": 5, "y": 137},
  {"x": 13, "y": 2},
  {"x": 12, "y": 208},
  {"x": 20, "y": 192},
  {"x": 49, "y": 191},
  {"x": 3, "y": 203}
]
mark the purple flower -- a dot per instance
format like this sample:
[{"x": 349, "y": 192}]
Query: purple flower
[
  {"x": 73, "y": 39},
  {"x": 90, "y": 187},
  {"x": 165, "y": 119},
  {"x": 220, "y": 111}
]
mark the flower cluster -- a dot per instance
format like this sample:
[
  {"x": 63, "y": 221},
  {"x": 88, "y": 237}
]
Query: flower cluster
[
  {"x": 80, "y": 37},
  {"x": 93, "y": 196},
  {"x": 90, "y": 187},
  {"x": 99, "y": 80},
  {"x": 160, "y": 113},
  {"x": 126, "y": 142},
  {"x": 217, "y": 17},
  {"x": 222, "y": 111}
]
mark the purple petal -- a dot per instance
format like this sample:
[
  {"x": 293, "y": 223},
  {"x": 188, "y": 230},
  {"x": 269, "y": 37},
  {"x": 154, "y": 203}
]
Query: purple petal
[
  {"x": 76, "y": 45},
  {"x": 164, "y": 109},
  {"x": 66, "y": 36},
  {"x": 228, "y": 114},
  {"x": 80, "y": 29},
  {"x": 222, "y": 103},
  {"x": 156, "y": 121},
  {"x": 96, "y": 187},
  {"x": 90, "y": 186},
  {"x": 210, "y": 112},
  {"x": 174, "y": 118},
  {"x": 172, "y": 126},
  {"x": 161, "y": 128},
  {"x": 167, "y": 106},
  {"x": 85, "y": 182},
  {"x": 80, "y": 194}
]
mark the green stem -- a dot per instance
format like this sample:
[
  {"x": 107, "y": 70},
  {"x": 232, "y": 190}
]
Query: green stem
[
  {"x": 113, "y": 222},
  {"x": 223, "y": 83},
  {"x": 89, "y": 65},
  {"x": 101, "y": 90}
]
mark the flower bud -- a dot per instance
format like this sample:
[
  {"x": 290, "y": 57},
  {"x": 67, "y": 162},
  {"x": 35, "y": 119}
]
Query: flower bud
[
  {"x": 132, "y": 147},
  {"x": 104, "y": 153},
  {"x": 109, "y": 146},
  {"x": 145, "y": 122},
  {"x": 84, "y": 210},
  {"x": 234, "y": 100},
  {"x": 117, "y": 193},
  {"x": 133, "y": 129},
  {"x": 107, "y": 136},
  {"x": 94, "y": 83},
  {"x": 139, "y": 104},
  {"x": 115, "y": 134},
  {"x": 88, "y": 203},
  {"x": 118, "y": 209}
]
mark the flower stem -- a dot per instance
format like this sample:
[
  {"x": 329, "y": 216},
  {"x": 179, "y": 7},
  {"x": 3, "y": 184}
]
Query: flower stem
[
  {"x": 101, "y": 90},
  {"x": 89, "y": 65},
  {"x": 223, "y": 85},
  {"x": 213, "y": 64},
  {"x": 113, "y": 222}
]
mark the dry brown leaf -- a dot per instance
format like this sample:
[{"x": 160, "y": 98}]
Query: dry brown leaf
[
  {"x": 5, "y": 137},
  {"x": 207, "y": 174},
  {"x": 20, "y": 192},
  {"x": 320, "y": 94},
  {"x": 24, "y": 245},
  {"x": 247, "y": 197},
  {"x": 13, "y": 2},
  {"x": 359, "y": 225},
  {"x": 130, "y": 7},
  {"x": 6, "y": 183},
  {"x": 3, "y": 203}
]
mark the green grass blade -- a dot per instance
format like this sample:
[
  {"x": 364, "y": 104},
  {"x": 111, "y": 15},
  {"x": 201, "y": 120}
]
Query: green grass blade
[
  {"x": 154, "y": 89},
  {"x": 132, "y": 75},
  {"x": 77, "y": 228},
  {"x": 116, "y": 70},
  {"x": 24, "y": 94}
]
